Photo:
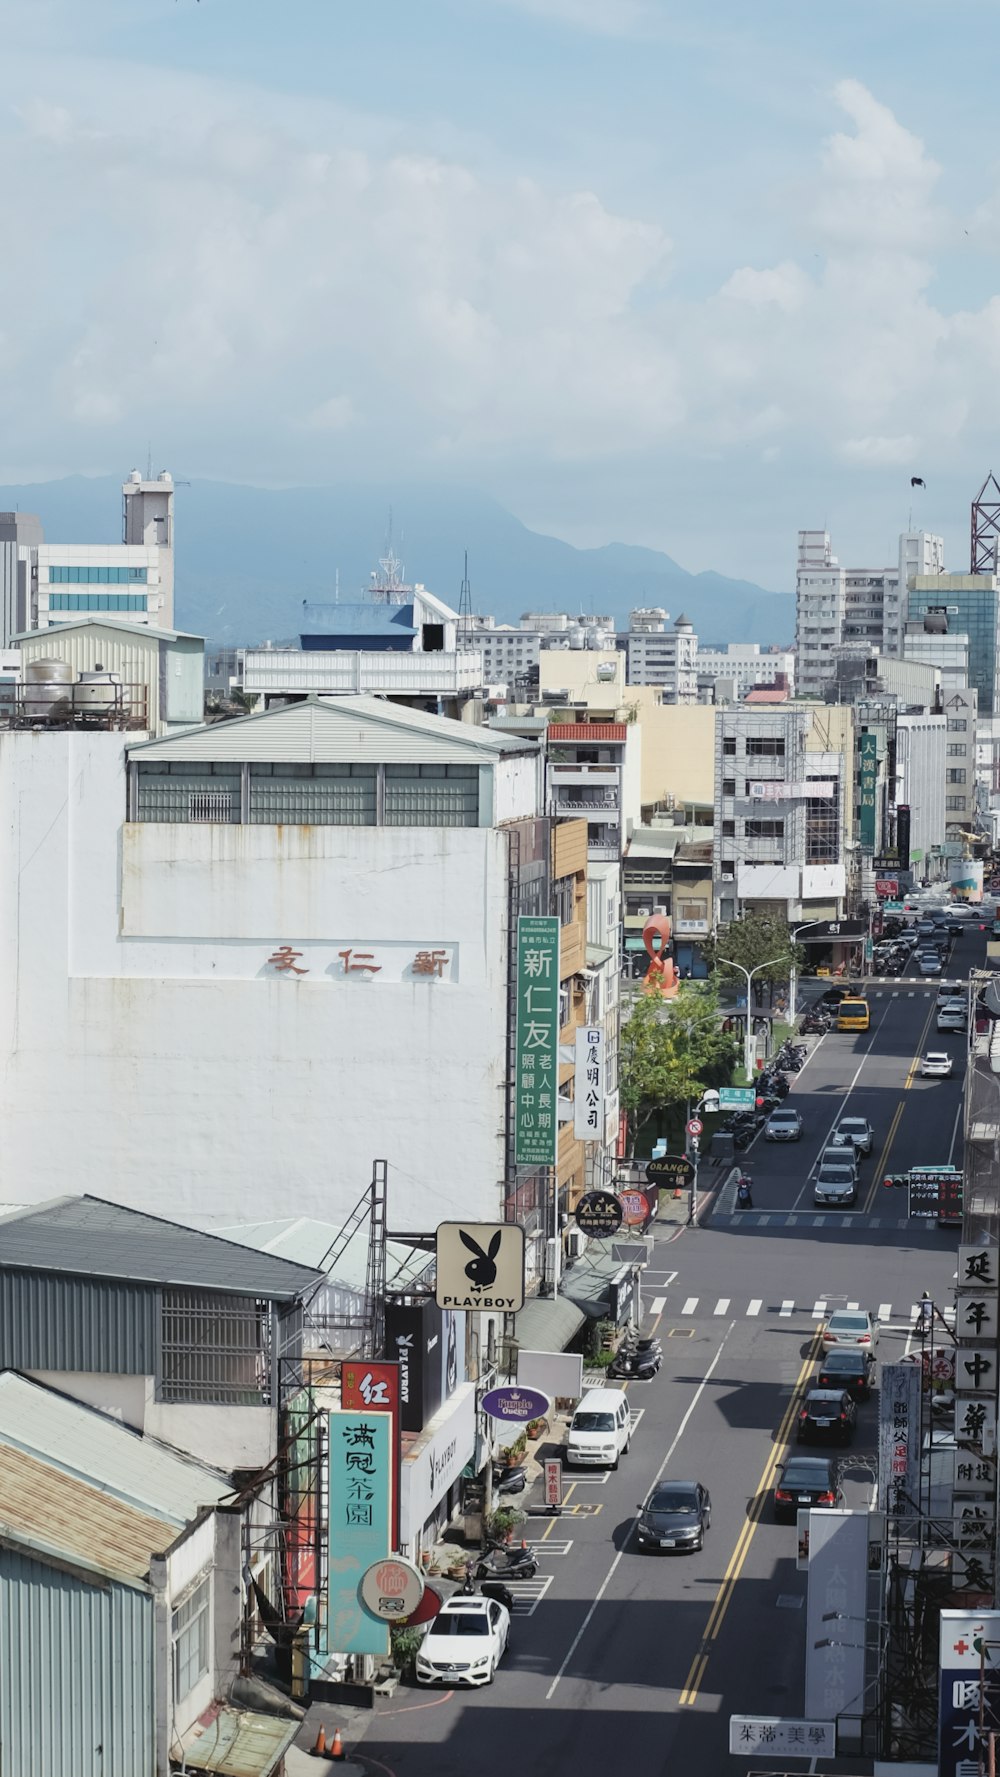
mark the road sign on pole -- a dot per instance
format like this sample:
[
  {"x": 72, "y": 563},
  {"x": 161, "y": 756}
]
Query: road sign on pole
[
  {"x": 736, "y": 1098},
  {"x": 695, "y": 1126}
]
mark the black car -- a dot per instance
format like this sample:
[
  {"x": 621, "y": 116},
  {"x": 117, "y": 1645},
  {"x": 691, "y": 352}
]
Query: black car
[
  {"x": 675, "y": 1516},
  {"x": 827, "y": 1415},
  {"x": 833, "y": 996},
  {"x": 847, "y": 1368},
  {"x": 806, "y": 1481},
  {"x": 894, "y": 966}
]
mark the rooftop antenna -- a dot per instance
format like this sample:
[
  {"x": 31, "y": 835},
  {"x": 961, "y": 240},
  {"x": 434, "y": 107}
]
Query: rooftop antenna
[
  {"x": 986, "y": 527},
  {"x": 149, "y": 461},
  {"x": 465, "y": 602}
]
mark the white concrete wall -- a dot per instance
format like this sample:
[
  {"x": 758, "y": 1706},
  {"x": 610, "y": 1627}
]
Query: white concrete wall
[
  {"x": 144, "y": 1032},
  {"x": 225, "y": 1437},
  {"x": 517, "y": 793}
]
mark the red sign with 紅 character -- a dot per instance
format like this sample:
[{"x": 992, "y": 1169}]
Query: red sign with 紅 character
[
  {"x": 374, "y": 1388},
  {"x": 887, "y": 887}
]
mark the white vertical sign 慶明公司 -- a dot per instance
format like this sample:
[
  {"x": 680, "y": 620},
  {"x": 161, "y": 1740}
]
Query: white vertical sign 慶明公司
[{"x": 588, "y": 1100}]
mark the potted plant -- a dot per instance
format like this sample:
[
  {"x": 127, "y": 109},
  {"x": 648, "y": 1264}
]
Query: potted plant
[
  {"x": 404, "y": 1643},
  {"x": 501, "y": 1524},
  {"x": 536, "y": 1428}
]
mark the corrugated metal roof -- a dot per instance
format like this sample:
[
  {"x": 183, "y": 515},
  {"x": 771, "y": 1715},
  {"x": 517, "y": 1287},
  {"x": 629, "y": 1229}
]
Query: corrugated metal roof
[
  {"x": 82, "y": 1442},
  {"x": 89, "y": 1236},
  {"x": 237, "y": 1743},
  {"x": 547, "y": 1323},
  {"x": 146, "y": 630},
  {"x": 44, "y": 1510},
  {"x": 355, "y": 728},
  {"x": 307, "y": 1242}
]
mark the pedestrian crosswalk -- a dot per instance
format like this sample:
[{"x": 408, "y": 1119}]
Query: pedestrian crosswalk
[
  {"x": 805, "y": 1218},
  {"x": 903, "y": 1315}
]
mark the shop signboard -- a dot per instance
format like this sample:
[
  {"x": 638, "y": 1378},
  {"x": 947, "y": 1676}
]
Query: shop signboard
[
  {"x": 414, "y": 1332},
  {"x": 868, "y": 761},
  {"x": 599, "y": 1214},
  {"x": 480, "y": 1265},
  {"x": 765, "y": 1736},
  {"x": 360, "y": 1524},
  {"x": 435, "y": 1462},
  {"x": 536, "y": 1070},
  {"x": 635, "y": 1208},
  {"x": 391, "y": 1590},
  {"x": 515, "y": 1405},
  {"x": 886, "y": 887},
  {"x": 588, "y": 1086},
  {"x": 899, "y": 1437},
  {"x": 969, "y": 1643},
  {"x": 375, "y": 1388},
  {"x": 553, "y": 1482},
  {"x": 675, "y": 1169}
]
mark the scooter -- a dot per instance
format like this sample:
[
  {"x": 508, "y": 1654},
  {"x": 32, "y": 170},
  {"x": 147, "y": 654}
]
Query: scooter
[
  {"x": 635, "y": 1365},
  {"x": 512, "y": 1479},
  {"x": 502, "y": 1562}
]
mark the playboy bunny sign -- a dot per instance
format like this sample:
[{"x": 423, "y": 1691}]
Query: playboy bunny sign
[{"x": 480, "y": 1265}]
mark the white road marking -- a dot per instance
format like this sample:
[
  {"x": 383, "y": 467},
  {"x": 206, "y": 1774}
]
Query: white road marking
[
  {"x": 854, "y": 1307},
  {"x": 613, "y": 1569},
  {"x": 755, "y": 1306},
  {"x": 819, "y": 1311},
  {"x": 528, "y": 1594},
  {"x": 884, "y": 1311},
  {"x": 785, "y": 1310},
  {"x": 690, "y": 1305},
  {"x": 635, "y": 1414},
  {"x": 658, "y": 1304},
  {"x": 551, "y": 1547},
  {"x": 722, "y": 1305}
]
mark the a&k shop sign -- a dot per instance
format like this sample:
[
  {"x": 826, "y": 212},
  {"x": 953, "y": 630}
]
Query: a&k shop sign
[
  {"x": 967, "y": 1708},
  {"x": 360, "y": 1524},
  {"x": 374, "y": 1388}
]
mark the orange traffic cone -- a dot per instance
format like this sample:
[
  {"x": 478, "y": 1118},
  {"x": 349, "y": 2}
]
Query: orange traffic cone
[
  {"x": 677, "y": 1192},
  {"x": 319, "y": 1750},
  {"x": 336, "y": 1751}
]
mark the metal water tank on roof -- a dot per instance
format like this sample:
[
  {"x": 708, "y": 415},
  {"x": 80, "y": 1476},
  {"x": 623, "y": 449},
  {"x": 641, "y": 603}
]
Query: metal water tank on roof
[{"x": 47, "y": 697}]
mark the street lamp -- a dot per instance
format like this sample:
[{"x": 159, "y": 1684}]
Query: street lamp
[
  {"x": 749, "y": 974},
  {"x": 793, "y": 973}
]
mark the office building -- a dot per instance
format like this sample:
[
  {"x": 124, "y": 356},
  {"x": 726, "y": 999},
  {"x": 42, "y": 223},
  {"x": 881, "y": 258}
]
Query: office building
[
  {"x": 658, "y": 655},
  {"x": 971, "y": 604},
  {"x": 741, "y": 666},
  {"x": 20, "y": 533},
  {"x": 860, "y": 607}
]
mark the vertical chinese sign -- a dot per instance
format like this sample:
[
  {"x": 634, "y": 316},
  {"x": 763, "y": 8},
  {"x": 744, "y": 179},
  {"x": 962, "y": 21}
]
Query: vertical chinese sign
[
  {"x": 360, "y": 1522},
  {"x": 868, "y": 759},
  {"x": 536, "y": 1086},
  {"x": 375, "y": 1388},
  {"x": 899, "y": 1439},
  {"x": 588, "y": 1102},
  {"x": 969, "y": 1650}
]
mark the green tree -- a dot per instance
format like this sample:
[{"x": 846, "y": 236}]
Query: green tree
[
  {"x": 669, "y": 1051},
  {"x": 756, "y": 938}
]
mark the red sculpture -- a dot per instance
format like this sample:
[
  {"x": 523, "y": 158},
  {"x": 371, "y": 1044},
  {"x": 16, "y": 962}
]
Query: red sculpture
[{"x": 661, "y": 976}]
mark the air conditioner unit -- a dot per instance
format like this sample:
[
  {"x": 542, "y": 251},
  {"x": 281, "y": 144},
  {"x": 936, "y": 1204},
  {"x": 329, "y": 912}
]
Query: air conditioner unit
[
  {"x": 576, "y": 1243},
  {"x": 642, "y": 913}
]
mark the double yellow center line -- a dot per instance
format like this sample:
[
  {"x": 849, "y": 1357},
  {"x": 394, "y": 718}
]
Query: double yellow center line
[
  {"x": 724, "y": 1595},
  {"x": 911, "y": 1074}
]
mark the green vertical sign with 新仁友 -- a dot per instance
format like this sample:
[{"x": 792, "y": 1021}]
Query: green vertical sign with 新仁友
[
  {"x": 868, "y": 756},
  {"x": 536, "y": 1088}
]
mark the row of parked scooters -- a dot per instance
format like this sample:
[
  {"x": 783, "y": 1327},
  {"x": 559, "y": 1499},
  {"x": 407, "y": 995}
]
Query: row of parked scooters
[
  {"x": 772, "y": 1085},
  {"x": 636, "y": 1360}
]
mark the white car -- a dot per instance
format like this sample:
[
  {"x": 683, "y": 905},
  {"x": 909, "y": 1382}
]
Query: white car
[
  {"x": 465, "y": 1642},
  {"x": 851, "y": 1326},
  {"x": 935, "y": 1065}
]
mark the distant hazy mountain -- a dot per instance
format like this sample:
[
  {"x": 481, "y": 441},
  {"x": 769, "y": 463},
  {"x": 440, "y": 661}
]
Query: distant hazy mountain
[{"x": 248, "y": 557}]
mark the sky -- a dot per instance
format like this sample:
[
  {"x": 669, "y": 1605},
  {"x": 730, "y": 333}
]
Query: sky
[{"x": 645, "y": 271}]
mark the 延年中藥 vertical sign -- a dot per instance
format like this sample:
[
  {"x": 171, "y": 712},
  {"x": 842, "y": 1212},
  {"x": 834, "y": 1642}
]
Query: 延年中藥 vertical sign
[
  {"x": 536, "y": 1061},
  {"x": 868, "y": 759},
  {"x": 360, "y": 1525}
]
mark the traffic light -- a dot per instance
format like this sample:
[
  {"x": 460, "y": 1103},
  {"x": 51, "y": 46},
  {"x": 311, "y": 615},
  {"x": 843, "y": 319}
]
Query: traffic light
[{"x": 897, "y": 1179}]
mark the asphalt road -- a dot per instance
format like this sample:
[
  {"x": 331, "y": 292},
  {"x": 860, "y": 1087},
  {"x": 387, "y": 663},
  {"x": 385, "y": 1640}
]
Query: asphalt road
[{"x": 637, "y": 1661}]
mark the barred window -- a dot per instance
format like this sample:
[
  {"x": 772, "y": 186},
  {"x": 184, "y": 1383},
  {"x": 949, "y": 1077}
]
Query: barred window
[
  {"x": 321, "y": 795},
  {"x": 432, "y": 795},
  {"x": 956, "y": 775},
  {"x": 954, "y": 802}
]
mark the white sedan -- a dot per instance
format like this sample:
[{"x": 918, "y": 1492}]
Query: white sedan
[
  {"x": 851, "y": 1326},
  {"x": 935, "y": 1065},
  {"x": 465, "y": 1642}
]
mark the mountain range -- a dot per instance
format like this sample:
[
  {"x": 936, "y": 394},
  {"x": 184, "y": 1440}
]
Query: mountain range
[{"x": 247, "y": 558}]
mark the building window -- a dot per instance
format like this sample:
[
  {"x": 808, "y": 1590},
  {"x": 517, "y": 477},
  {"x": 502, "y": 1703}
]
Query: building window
[
  {"x": 190, "y": 1623},
  {"x": 88, "y": 576},
  {"x": 694, "y": 912},
  {"x": 729, "y": 786},
  {"x": 957, "y": 749},
  {"x": 215, "y": 1349},
  {"x": 729, "y": 829},
  {"x": 431, "y": 795},
  {"x": 728, "y": 869},
  {"x": 97, "y": 601},
  {"x": 729, "y": 747},
  {"x": 957, "y": 725},
  {"x": 322, "y": 795},
  {"x": 954, "y": 802},
  {"x": 175, "y": 792},
  {"x": 564, "y": 899},
  {"x": 766, "y": 746},
  {"x": 764, "y": 829},
  {"x": 956, "y": 775}
]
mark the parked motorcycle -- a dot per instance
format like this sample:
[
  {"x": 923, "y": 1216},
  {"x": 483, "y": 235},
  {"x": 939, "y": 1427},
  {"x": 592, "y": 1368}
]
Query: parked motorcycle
[
  {"x": 512, "y": 1478},
  {"x": 502, "y": 1562},
  {"x": 635, "y": 1366}
]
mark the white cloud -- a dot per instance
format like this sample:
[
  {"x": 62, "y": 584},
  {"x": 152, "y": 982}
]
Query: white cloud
[{"x": 880, "y": 453}]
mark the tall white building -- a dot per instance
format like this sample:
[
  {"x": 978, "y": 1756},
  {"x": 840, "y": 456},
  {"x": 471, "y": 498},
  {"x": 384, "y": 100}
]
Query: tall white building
[
  {"x": 132, "y": 581},
  {"x": 743, "y": 664},
  {"x": 860, "y": 607},
  {"x": 660, "y": 656}
]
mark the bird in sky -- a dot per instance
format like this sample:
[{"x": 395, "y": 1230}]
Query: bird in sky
[{"x": 917, "y": 481}]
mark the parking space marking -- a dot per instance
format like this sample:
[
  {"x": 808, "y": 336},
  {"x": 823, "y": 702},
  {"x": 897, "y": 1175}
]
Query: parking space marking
[
  {"x": 550, "y": 1546},
  {"x": 722, "y": 1305},
  {"x": 819, "y": 1310},
  {"x": 635, "y": 1414},
  {"x": 755, "y": 1306},
  {"x": 785, "y": 1310},
  {"x": 884, "y": 1311},
  {"x": 585, "y": 1508},
  {"x": 853, "y": 1307},
  {"x": 599, "y": 1480},
  {"x": 529, "y": 1594},
  {"x": 690, "y": 1305}
]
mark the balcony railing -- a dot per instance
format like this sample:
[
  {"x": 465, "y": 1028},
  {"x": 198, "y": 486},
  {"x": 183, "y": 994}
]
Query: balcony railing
[{"x": 297, "y": 672}]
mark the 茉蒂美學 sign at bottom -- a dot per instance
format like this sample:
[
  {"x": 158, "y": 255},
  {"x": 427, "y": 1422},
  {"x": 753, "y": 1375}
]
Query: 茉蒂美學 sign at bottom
[{"x": 754, "y": 1735}]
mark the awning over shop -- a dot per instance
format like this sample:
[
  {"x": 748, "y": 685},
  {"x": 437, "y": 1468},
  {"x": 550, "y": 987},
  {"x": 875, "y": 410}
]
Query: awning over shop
[
  {"x": 547, "y": 1323},
  {"x": 589, "y": 1285},
  {"x": 239, "y": 1743},
  {"x": 634, "y": 944}
]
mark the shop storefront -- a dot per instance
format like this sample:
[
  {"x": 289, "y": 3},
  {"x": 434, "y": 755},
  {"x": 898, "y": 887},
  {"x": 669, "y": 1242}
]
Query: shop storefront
[{"x": 431, "y": 1471}]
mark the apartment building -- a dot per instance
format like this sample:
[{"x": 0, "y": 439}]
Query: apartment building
[
  {"x": 658, "y": 655},
  {"x": 742, "y": 665},
  {"x": 861, "y": 607}
]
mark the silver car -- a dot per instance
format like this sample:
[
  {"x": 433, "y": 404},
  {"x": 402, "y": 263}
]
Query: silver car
[
  {"x": 835, "y": 1186},
  {"x": 783, "y": 1125},
  {"x": 843, "y": 1155}
]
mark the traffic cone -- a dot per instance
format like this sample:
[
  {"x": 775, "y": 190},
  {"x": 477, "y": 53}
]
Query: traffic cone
[
  {"x": 677, "y": 1192},
  {"x": 319, "y": 1750},
  {"x": 336, "y": 1752}
]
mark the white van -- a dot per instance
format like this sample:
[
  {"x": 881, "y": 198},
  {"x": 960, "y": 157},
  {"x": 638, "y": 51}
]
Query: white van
[
  {"x": 952, "y": 1015},
  {"x": 601, "y": 1429}
]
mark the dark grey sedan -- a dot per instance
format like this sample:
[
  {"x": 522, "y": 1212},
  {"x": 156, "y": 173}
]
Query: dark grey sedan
[{"x": 675, "y": 1516}]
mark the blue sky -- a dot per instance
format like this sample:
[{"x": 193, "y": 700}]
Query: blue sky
[{"x": 645, "y": 271}]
